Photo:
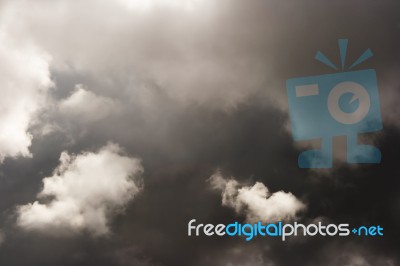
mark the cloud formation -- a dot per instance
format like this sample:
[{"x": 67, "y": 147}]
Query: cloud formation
[
  {"x": 24, "y": 82},
  {"x": 86, "y": 106},
  {"x": 256, "y": 202},
  {"x": 174, "y": 45},
  {"x": 170, "y": 68},
  {"x": 83, "y": 193}
]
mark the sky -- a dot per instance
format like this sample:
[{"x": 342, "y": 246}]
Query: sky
[{"x": 120, "y": 121}]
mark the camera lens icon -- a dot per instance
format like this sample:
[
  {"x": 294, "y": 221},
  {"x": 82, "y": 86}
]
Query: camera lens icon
[
  {"x": 338, "y": 104},
  {"x": 330, "y": 105},
  {"x": 359, "y": 96}
]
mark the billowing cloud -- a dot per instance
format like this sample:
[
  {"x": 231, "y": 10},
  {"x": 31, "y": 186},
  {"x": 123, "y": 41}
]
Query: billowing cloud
[
  {"x": 256, "y": 202},
  {"x": 86, "y": 106},
  {"x": 24, "y": 82},
  {"x": 175, "y": 45},
  {"x": 83, "y": 193},
  {"x": 171, "y": 66}
]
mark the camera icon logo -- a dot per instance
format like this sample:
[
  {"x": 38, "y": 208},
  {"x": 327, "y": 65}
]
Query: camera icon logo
[{"x": 338, "y": 104}]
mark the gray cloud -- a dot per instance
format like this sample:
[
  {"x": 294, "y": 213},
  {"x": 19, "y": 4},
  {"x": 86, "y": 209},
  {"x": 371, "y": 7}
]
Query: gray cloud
[{"x": 189, "y": 89}]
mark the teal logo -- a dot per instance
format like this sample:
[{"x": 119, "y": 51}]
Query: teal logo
[{"x": 339, "y": 104}]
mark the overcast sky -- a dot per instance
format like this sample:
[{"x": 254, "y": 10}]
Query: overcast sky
[{"x": 120, "y": 121}]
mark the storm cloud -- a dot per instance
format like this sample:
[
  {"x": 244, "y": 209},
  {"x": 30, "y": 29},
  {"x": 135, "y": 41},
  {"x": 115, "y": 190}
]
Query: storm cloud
[{"x": 180, "y": 91}]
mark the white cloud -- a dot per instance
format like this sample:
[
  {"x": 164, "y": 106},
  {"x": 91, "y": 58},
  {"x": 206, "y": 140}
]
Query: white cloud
[
  {"x": 256, "y": 202},
  {"x": 146, "y": 5},
  {"x": 180, "y": 46},
  {"x": 24, "y": 82},
  {"x": 86, "y": 106},
  {"x": 84, "y": 192}
]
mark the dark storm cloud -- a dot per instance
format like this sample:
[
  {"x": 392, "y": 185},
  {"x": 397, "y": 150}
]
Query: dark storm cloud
[
  {"x": 197, "y": 93},
  {"x": 175, "y": 191}
]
